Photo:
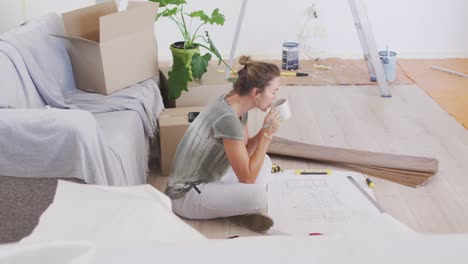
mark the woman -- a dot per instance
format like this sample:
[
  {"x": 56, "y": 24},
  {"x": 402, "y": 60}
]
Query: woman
[{"x": 201, "y": 184}]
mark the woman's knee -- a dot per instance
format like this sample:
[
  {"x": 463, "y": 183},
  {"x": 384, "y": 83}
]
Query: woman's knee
[
  {"x": 267, "y": 162},
  {"x": 177, "y": 206},
  {"x": 259, "y": 198},
  {"x": 264, "y": 172}
]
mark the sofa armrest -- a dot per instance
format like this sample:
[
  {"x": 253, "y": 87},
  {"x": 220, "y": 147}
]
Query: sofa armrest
[
  {"x": 52, "y": 143},
  {"x": 15, "y": 123}
]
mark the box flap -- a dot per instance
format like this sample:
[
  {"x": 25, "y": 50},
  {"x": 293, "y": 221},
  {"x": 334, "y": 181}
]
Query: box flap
[
  {"x": 84, "y": 22},
  {"x": 138, "y": 16},
  {"x": 132, "y": 4},
  {"x": 87, "y": 66},
  {"x": 74, "y": 38},
  {"x": 130, "y": 58}
]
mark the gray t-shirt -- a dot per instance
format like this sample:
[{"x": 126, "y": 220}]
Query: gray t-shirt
[{"x": 200, "y": 156}]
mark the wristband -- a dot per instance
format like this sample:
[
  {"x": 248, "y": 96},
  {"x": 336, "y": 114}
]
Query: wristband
[{"x": 267, "y": 136}]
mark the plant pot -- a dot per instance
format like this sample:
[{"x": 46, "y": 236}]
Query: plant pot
[
  {"x": 181, "y": 72},
  {"x": 184, "y": 54}
]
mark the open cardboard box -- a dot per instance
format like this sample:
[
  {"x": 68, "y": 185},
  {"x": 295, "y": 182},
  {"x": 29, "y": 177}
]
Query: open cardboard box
[{"x": 111, "y": 50}]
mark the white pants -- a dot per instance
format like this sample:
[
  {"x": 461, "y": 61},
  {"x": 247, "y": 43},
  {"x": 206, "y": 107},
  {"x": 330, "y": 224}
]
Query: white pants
[{"x": 224, "y": 198}]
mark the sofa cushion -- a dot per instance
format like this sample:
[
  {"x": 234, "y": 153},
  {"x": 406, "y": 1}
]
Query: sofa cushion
[{"x": 122, "y": 132}]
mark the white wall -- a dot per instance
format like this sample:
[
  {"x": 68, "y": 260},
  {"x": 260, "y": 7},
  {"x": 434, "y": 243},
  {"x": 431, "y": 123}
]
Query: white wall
[
  {"x": 415, "y": 28},
  {"x": 10, "y": 14},
  {"x": 15, "y": 12},
  {"x": 35, "y": 8}
]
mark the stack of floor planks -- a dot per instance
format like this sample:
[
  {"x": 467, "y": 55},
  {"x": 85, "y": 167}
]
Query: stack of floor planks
[{"x": 407, "y": 170}]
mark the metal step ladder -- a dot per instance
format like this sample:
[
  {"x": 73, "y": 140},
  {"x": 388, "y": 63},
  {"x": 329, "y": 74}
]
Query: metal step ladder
[
  {"x": 366, "y": 37},
  {"x": 369, "y": 49}
]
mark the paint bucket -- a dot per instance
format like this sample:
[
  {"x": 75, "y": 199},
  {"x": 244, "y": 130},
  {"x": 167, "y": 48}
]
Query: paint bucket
[
  {"x": 388, "y": 59},
  {"x": 290, "y": 57}
]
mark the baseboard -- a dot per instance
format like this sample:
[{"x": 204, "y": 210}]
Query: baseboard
[{"x": 344, "y": 55}]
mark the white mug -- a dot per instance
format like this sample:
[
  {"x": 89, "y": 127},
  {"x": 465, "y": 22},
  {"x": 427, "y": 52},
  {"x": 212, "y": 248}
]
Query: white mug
[{"x": 282, "y": 106}]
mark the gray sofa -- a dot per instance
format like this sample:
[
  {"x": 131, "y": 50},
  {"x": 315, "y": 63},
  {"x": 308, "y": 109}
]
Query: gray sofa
[{"x": 50, "y": 129}]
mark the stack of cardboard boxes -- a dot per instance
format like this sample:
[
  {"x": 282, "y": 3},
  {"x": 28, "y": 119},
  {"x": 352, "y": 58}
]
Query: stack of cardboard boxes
[{"x": 173, "y": 123}]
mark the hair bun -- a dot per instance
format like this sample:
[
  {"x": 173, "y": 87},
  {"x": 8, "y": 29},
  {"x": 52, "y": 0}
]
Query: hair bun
[{"x": 244, "y": 60}]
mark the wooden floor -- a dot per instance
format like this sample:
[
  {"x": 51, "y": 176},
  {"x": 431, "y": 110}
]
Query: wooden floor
[
  {"x": 409, "y": 123},
  {"x": 448, "y": 90}
]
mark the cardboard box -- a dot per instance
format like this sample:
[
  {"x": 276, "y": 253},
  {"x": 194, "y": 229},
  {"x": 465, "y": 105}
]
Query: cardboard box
[
  {"x": 111, "y": 50},
  {"x": 173, "y": 123}
]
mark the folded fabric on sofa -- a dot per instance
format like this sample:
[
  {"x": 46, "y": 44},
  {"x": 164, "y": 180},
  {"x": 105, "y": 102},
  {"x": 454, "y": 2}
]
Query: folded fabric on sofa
[
  {"x": 48, "y": 66},
  {"x": 140, "y": 97}
]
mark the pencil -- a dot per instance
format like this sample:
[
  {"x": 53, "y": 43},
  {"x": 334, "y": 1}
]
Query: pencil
[
  {"x": 312, "y": 172},
  {"x": 299, "y": 74}
]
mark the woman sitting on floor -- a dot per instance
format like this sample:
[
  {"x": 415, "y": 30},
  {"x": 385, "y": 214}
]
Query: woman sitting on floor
[{"x": 218, "y": 171}]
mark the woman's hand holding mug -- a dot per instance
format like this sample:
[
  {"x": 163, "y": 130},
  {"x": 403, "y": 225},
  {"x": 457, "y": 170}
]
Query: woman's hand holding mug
[{"x": 271, "y": 123}]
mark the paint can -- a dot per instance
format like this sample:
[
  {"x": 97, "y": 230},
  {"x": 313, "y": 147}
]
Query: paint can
[
  {"x": 388, "y": 59},
  {"x": 290, "y": 58}
]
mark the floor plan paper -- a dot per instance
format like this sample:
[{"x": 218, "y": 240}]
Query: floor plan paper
[{"x": 327, "y": 204}]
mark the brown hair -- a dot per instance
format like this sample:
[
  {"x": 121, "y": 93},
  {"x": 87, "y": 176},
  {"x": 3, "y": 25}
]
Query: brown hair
[{"x": 254, "y": 74}]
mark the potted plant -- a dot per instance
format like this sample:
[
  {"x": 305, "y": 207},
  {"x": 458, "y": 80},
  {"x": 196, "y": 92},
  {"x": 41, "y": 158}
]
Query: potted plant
[{"x": 188, "y": 62}]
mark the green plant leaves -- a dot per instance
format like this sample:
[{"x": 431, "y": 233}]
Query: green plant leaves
[
  {"x": 175, "y": 2},
  {"x": 200, "y": 14},
  {"x": 184, "y": 71},
  {"x": 168, "y": 12},
  {"x": 216, "y": 17},
  {"x": 163, "y": 3},
  {"x": 213, "y": 47},
  {"x": 179, "y": 78},
  {"x": 200, "y": 64}
]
